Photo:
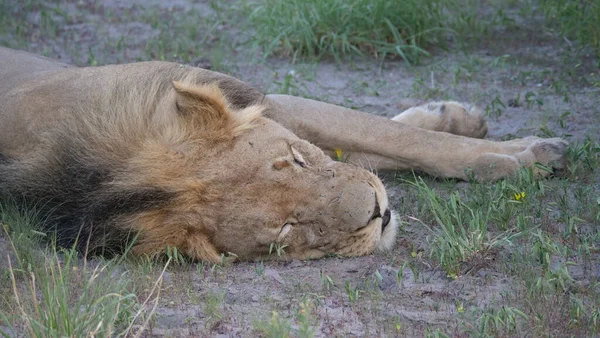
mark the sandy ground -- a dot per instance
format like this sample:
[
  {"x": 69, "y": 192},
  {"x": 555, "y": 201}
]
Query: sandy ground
[{"x": 528, "y": 70}]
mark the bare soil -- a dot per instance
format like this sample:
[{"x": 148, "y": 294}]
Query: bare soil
[{"x": 526, "y": 77}]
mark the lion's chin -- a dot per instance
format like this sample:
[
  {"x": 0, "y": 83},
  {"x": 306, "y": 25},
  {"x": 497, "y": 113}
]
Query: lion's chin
[{"x": 388, "y": 236}]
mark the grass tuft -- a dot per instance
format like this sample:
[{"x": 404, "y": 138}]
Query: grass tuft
[
  {"x": 576, "y": 19},
  {"x": 462, "y": 240},
  {"x": 339, "y": 28},
  {"x": 50, "y": 306},
  {"x": 58, "y": 293}
]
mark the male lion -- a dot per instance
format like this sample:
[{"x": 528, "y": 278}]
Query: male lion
[{"x": 184, "y": 157}]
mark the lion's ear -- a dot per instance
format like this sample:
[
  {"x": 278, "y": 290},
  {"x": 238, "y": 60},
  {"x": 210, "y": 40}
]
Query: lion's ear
[{"x": 204, "y": 107}]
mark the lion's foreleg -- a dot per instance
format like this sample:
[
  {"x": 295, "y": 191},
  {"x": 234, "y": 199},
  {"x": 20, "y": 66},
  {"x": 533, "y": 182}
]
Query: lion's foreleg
[{"x": 383, "y": 144}]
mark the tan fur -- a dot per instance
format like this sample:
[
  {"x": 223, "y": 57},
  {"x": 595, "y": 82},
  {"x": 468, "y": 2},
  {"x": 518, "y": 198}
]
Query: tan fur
[{"x": 184, "y": 157}]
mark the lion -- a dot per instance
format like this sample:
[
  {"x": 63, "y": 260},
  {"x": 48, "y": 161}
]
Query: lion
[{"x": 158, "y": 155}]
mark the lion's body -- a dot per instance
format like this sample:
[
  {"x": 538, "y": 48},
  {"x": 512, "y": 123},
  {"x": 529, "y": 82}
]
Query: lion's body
[
  {"x": 54, "y": 91},
  {"x": 180, "y": 156}
]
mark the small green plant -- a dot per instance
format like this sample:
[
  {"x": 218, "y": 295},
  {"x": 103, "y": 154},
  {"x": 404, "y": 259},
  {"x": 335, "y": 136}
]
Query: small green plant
[
  {"x": 176, "y": 256},
  {"x": 216, "y": 268},
  {"x": 288, "y": 86},
  {"x": 305, "y": 320},
  {"x": 583, "y": 158},
  {"x": 500, "y": 61},
  {"x": 200, "y": 268},
  {"x": 595, "y": 320},
  {"x": 327, "y": 282},
  {"x": 378, "y": 276},
  {"x": 576, "y": 311},
  {"x": 277, "y": 249},
  {"x": 213, "y": 307},
  {"x": 531, "y": 98},
  {"x": 561, "y": 88},
  {"x": 91, "y": 58},
  {"x": 543, "y": 248},
  {"x": 462, "y": 73},
  {"x": 415, "y": 271},
  {"x": 259, "y": 268},
  {"x": 352, "y": 292},
  {"x": 275, "y": 327},
  {"x": 494, "y": 109},
  {"x": 562, "y": 120},
  {"x": 502, "y": 322},
  {"x": 339, "y": 155},
  {"x": 437, "y": 333},
  {"x": 462, "y": 234},
  {"x": 400, "y": 274}
]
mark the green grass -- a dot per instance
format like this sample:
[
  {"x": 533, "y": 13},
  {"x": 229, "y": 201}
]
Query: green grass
[
  {"x": 339, "y": 28},
  {"x": 183, "y": 39},
  {"x": 462, "y": 235},
  {"x": 16, "y": 32},
  {"x": 536, "y": 231},
  {"x": 275, "y": 327},
  {"x": 498, "y": 323},
  {"x": 59, "y": 293},
  {"x": 575, "y": 19},
  {"x": 181, "y": 35},
  {"x": 408, "y": 29},
  {"x": 61, "y": 299}
]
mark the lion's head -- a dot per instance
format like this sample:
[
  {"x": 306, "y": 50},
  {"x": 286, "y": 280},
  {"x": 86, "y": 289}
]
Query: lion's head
[
  {"x": 201, "y": 176},
  {"x": 264, "y": 190}
]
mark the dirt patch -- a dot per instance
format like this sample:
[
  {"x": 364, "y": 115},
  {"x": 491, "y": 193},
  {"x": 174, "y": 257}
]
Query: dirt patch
[{"x": 531, "y": 84}]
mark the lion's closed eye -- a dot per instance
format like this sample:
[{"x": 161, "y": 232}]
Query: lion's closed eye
[
  {"x": 298, "y": 159},
  {"x": 287, "y": 227}
]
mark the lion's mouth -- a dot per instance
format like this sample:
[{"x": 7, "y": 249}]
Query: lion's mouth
[
  {"x": 389, "y": 228},
  {"x": 385, "y": 218}
]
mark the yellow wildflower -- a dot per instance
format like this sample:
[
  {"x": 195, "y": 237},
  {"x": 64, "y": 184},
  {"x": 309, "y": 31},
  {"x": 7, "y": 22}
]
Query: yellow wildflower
[
  {"x": 339, "y": 154},
  {"x": 519, "y": 196}
]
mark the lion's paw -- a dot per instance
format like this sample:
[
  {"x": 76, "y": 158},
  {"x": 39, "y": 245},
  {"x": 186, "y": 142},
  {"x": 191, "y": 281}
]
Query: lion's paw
[
  {"x": 551, "y": 153},
  {"x": 447, "y": 116},
  {"x": 510, "y": 156}
]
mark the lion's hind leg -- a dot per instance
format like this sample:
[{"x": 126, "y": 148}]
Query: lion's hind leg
[{"x": 446, "y": 116}]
